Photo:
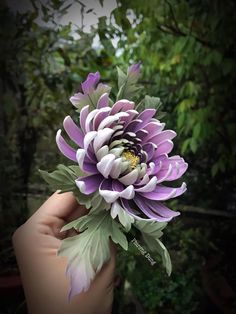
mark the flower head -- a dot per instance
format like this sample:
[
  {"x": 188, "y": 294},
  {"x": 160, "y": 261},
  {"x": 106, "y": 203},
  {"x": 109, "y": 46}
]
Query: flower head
[{"x": 124, "y": 155}]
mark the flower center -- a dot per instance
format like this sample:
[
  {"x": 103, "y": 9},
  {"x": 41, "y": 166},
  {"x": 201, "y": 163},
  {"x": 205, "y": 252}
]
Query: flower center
[{"x": 131, "y": 157}]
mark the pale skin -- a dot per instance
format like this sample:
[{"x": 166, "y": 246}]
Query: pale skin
[{"x": 43, "y": 273}]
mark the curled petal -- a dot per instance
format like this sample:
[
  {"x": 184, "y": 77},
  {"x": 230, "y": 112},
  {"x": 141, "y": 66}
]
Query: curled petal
[
  {"x": 122, "y": 105},
  {"x": 106, "y": 190},
  {"x": 73, "y": 131},
  {"x": 89, "y": 137},
  {"x": 91, "y": 82},
  {"x": 163, "y": 136},
  {"x": 162, "y": 193},
  {"x": 102, "y": 137},
  {"x": 106, "y": 164},
  {"x": 130, "y": 178},
  {"x": 90, "y": 184},
  {"x": 164, "y": 148},
  {"x": 83, "y": 116},
  {"x": 103, "y": 101},
  {"x": 65, "y": 148},
  {"x": 149, "y": 187}
]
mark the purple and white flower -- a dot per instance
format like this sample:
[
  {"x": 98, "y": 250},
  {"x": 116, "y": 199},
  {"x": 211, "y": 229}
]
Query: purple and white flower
[{"x": 124, "y": 154}]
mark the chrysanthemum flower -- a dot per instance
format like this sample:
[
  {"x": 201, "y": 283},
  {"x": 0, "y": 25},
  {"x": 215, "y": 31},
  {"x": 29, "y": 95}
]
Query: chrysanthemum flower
[{"x": 123, "y": 153}]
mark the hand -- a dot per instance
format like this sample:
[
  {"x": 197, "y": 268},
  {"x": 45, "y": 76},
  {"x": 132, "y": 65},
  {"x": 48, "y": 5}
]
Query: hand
[{"x": 43, "y": 273}]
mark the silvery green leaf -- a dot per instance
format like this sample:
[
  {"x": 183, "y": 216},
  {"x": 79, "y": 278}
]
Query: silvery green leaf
[
  {"x": 88, "y": 251},
  {"x": 127, "y": 85},
  {"x": 151, "y": 232},
  {"x": 125, "y": 219},
  {"x": 152, "y": 102},
  {"x": 63, "y": 178},
  {"x": 122, "y": 77},
  {"x": 154, "y": 244}
]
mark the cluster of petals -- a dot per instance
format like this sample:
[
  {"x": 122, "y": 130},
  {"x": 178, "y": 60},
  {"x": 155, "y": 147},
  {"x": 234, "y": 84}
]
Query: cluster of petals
[{"x": 106, "y": 138}]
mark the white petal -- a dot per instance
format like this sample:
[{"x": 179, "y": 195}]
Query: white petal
[
  {"x": 101, "y": 138},
  {"x": 88, "y": 138},
  {"x": 109, "y": 196},
  {"x": 130, "y": 178},
  {"x": 149, "y": 187},
  {"x": 106, "y": 164},
  {"x": 128, "y": 193},
  {"x": 80, "y": 154},
  {"x": 89, "y": 118},
  {"x": 116, "y": 169},
  {"x": 103, "y": 151},
  {"x": 110, "y": 119}
]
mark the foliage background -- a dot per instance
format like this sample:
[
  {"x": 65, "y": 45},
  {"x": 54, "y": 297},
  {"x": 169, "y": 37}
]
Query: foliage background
[{"x": 188, "y": 51}]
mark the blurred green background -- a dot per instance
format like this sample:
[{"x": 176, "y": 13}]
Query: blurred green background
[{"x": 188, "y": 52}]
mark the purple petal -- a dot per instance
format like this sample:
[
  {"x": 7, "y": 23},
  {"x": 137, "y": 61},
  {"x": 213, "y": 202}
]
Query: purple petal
[
  {"x": 91, "y": 82},
  {"x": 132, "y": 114},
  {"x": 162, "y": 210},
  {"x": 89, "y": 120},
  {"x": 162, "y": 193},
  {"x": 103, "y": 101},
  {"x": 153, "y": 128},
  {"x": 145, "y": 208},
  {"x": 179, "y": 166},
  {"x": 100, "y": 116},
  {"x": 65, "y": 148},
  {"x": 149, "y": 148},
  {"x": 73, "y": 131},
  {"x": 90, "y": 184},
  {"x": 134, "y": 69},
  {"x": 110, "y": 195},
  {"x": 122, "y": 105},
  {"x": 83, "y": 116},
  {"x": 76, "y": 98},
  {"x": 163, "y": 148},
  {"x": 163, "y": 136},
  {"x": 148, "y": 187}
]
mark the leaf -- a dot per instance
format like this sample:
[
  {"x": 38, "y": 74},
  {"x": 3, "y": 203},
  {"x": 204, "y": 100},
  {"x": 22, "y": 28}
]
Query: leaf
[
  {"x": 126, "y": 85},
  {"x": 88, "y": 251},
  {"x": 151, "y": 232},
  {"x": 152, "y": 102},
  {"x": 63, "y": 178}
]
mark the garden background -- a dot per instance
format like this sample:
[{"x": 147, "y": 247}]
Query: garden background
[{"x": 188, "y": 52}]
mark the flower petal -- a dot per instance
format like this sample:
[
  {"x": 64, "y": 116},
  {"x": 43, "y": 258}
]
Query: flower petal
[
  {"x": 90, "y": 184},
  {"x": 122, "y": 105},
  {"x": 92, "y": 80},
  {"x": 130, "y": 178},
  {"x": 102, "y": 137},
  {"x": 103, "y": 101},
  {"x": 162, "y": 193},
  {"x": 73, "y": 131},
  {"x": 106, "y": 164},
  {"x": 149, "y": 187},
  {"x": 65, "y": 148}
]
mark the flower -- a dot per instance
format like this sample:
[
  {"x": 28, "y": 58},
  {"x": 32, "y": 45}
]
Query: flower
[{"x": 124, "y": 154}]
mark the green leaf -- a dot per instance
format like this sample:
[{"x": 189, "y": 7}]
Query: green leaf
[
  {"x": 152, "y": 102},
  {"x": 88, "y": 251},
  {"x": 127, "y": 85},
  {"x": 63, "y": 178},
  {"x": 151, "y": 232}
]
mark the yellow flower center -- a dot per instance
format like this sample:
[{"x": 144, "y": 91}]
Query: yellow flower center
[{"x": 131, "y": 157}]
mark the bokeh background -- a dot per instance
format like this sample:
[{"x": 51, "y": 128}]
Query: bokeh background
[{"x": 188, "y": 52}]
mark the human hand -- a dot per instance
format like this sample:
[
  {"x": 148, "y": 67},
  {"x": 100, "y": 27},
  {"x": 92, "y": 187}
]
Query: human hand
[{"x": 43, "y": 273}]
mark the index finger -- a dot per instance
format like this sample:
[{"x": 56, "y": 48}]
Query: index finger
[{"x": 60, "y": 205}]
